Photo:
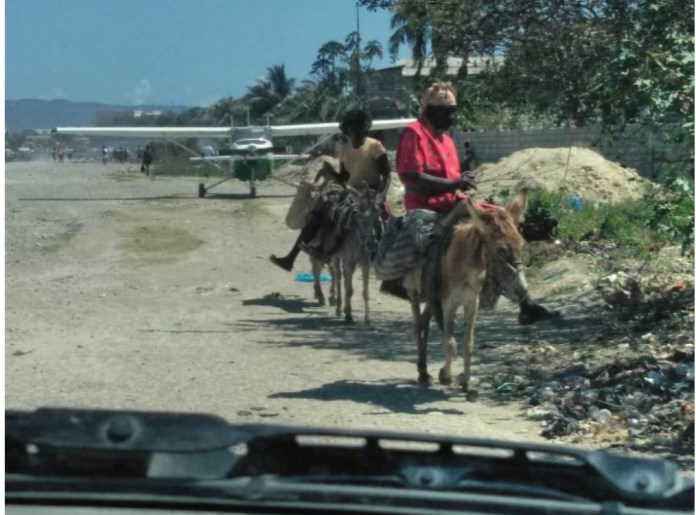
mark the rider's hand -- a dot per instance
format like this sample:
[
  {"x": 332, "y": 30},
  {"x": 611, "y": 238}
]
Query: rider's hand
[{"x": 467, "y": 181}]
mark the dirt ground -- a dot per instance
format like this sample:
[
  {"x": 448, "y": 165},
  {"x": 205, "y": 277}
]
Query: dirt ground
[{"x": 129, "y": 293}]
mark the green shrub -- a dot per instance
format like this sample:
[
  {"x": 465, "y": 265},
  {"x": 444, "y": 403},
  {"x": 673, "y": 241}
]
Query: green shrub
[{"x": 640, "y": 224}]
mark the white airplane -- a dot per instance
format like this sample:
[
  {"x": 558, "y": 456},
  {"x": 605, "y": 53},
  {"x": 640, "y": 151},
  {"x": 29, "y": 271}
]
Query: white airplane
[{"x": 251, "y": 152}]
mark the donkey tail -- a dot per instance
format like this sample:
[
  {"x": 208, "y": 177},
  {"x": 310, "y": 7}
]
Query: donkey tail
[{"x": 436, "y": 309}]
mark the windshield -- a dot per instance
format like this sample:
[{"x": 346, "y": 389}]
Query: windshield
[{"x": 478, "y": 222}]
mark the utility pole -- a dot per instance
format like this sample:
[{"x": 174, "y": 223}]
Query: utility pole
[{"x": 357, "y": 49}]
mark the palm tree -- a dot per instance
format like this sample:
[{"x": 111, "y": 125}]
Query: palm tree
[
  {"x": 270, "y": 91},
  {"x": 411, "y": 27},
  {"x": 330, "y": 67},
  {"x": 371, "y": 50}
]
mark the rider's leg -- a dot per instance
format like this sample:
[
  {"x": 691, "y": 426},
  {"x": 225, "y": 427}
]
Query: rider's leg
[
  {"x": 515, "y": 290},
  {"x": 306, "y": 235}
]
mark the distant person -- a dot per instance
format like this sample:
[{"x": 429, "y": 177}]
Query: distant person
[
  {"x": 208, "y": 151},
  {"x": 139, "y": 154},
  {"x": 147, "y": 160},
  {"x": 469, "y": 161},
  {"x": 55, "y": 153},
  {"x": 105, "y": 154}
]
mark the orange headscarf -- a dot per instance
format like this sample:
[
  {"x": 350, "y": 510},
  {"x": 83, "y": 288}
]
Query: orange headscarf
[{"x": 439, "y": 94}]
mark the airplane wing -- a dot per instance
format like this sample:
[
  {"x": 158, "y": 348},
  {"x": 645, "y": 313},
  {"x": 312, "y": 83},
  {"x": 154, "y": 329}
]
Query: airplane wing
[
  {"x": 307, "y": 129},
  {"x": 263, "y": 157},
  {"x": 148, "y": 132},
  {"x": 310, "y": 129}
]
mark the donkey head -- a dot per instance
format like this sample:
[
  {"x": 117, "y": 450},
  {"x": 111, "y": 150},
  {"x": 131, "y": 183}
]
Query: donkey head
[{"x": 503, "y": 242}]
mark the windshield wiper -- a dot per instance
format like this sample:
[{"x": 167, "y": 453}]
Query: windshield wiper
[{"x": 206, "y": 453}]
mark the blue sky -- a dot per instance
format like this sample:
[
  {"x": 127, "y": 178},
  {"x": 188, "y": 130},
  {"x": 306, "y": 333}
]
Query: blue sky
[{"x": 188, "y": 52}]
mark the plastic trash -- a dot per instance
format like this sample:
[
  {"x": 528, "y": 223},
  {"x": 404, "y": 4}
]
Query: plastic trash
[
  {"x": 575, "y": 203},
  {"x": 602, "y": 416},
  {"x": 507, "y": 387},
  {"x": 308, "y": 277}
]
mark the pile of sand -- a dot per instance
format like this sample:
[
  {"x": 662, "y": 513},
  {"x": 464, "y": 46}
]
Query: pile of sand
[{"x": 580, "y": 170}]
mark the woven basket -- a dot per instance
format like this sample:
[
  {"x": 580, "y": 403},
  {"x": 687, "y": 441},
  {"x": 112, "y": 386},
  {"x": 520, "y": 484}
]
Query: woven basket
[{"x": 301, "y": 205}]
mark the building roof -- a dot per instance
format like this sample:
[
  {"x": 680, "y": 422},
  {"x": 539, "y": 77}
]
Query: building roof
[{"x": 476, "y": 65}]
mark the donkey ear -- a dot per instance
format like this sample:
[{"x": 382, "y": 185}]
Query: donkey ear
[{"x": 518, "y": 204}]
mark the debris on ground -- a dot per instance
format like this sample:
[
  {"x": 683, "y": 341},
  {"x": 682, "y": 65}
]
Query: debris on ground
[{"x": 636, "y": 383}]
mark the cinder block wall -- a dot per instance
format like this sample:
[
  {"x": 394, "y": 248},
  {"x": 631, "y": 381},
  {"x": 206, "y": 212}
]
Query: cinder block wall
[{"x": 636, "y": 149}]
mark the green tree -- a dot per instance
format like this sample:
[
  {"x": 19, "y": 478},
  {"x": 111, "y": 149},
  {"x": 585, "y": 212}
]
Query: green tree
[
  {"x": 270, "y": 91},
  {"x": 411, "y": 27}
]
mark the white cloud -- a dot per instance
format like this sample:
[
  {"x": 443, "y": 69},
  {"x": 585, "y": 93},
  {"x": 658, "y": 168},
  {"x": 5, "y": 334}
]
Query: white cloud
[{"x": 141, "y": 92}]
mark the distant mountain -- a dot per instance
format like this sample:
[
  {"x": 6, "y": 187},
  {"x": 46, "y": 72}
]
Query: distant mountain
[{"x": 29, "y": 113}]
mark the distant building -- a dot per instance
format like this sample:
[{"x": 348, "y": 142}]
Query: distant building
[
  {"x": 390, "y": 90},
  {"x": 123, "y": 116}
]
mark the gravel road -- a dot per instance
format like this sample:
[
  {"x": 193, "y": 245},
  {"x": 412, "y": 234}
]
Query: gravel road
[{"x": 124, "y": 292}]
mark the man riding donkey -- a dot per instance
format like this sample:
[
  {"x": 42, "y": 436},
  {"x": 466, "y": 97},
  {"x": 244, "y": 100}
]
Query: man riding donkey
[
  {"x": 428, "y": 165},
  {"x": 363, "y": 164}
]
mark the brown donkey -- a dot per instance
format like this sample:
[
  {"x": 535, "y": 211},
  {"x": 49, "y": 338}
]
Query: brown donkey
[{"x": 486, "y": 246}]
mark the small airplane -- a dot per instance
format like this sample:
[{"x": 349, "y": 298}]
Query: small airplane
[{"x": 250, "y": 144}]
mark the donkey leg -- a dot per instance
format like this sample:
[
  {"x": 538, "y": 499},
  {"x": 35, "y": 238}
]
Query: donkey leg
[
  {"x": 426, "y": 317},
  {"x": 332, "y": 288},
  {"x": 348, "y": 271},
  {"x": 449, "y": 345},
  {"x": 337, "y": 279},
  {"x": 421, "y": 343},
  {"x": 317, "y": 267},
  {"x": 366, "y": 290},
  {"x": 470, "y": 312}
]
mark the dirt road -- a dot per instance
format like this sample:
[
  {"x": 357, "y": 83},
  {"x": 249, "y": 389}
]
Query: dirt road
[{"x": 122, "y": 292}]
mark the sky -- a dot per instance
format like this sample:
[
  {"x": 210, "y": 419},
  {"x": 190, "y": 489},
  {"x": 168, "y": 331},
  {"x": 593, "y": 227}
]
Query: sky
[{"x": 168, "y": 52}]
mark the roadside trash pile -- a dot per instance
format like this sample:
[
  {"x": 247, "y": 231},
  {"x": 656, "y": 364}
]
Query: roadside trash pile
[
  {"x": 649, "y": 395},
  {"x": 644, "y": 386}
]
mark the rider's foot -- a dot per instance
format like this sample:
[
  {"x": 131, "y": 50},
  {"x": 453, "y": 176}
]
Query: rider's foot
[
  {"x": 531, "y": 312},
  {"x": 286, "y": 263}
]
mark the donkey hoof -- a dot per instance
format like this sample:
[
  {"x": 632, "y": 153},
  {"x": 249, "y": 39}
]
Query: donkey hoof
[
  {"x": 321, "y": 302},
  {"x": 348, "y": 319},
  {"x": 472, "y": 395},
  {"x": 425, "y": 379},
  {"x": 444, "y": 379}
]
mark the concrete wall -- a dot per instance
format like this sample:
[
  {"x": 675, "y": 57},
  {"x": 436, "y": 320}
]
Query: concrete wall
[{"x": 636, "y": 149}]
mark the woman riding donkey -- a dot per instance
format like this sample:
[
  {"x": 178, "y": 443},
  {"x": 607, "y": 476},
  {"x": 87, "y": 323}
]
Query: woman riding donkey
[
  {"x": 428, "y": 166},
  {"x": 363, "y": 163}
]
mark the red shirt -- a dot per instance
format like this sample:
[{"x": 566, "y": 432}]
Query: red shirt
[{"x": 420, "y": 151}]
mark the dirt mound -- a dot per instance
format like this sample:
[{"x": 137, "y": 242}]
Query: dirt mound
[{"x": 580, "y": 170}]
